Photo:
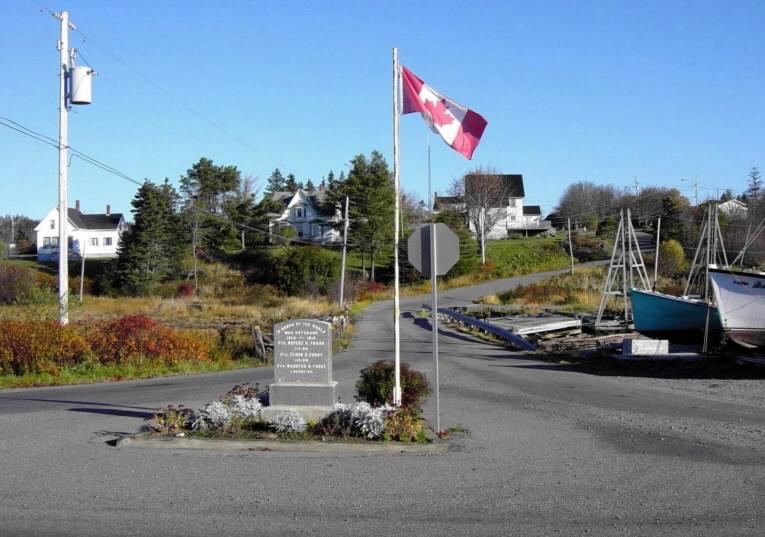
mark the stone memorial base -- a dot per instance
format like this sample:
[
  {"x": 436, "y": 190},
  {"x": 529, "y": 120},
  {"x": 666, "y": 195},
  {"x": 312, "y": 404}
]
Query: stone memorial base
[
  {"x": 313, "y": 413},
  {"x": 302, "y": 394}
]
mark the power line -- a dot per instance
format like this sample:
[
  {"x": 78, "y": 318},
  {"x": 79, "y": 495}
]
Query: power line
[
  {"x": 156, "y": 85},
  {"x": 18, "y": 127}
]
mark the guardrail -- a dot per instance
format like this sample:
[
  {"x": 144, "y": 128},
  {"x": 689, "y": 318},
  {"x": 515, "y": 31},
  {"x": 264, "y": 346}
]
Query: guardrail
[{"x": 507, "y": 335}]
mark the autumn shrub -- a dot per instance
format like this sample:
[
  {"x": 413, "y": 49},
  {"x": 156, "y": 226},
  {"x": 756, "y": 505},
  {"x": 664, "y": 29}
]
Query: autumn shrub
[
  {"x": 74, "y": 285},
  {"x": 39, "y": 347},
  {"x": 185, "y": 290},
  {"x": 671, "y": 258},
  {"x": 17, "y": 284},
  {"x": 129, "y": 339},
  {"x": 404, "y": 425},
  {"x": 378, "y": 380}
]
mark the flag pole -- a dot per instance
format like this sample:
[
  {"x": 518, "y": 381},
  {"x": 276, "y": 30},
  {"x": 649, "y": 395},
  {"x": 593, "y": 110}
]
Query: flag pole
[{"x": 397, "y": 209}]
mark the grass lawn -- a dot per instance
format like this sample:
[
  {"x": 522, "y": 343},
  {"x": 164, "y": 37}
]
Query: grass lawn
[
  {"x": 89, "y": 373},
  {"x": 517, "y": 256}
]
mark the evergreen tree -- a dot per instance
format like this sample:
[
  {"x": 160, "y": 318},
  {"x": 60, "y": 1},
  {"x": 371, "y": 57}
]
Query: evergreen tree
[
  {"x": 754, "y": 191},
  {"x": 208, "y": 191},
  {"x": 674, "y": 207},
  {"x": 292, "y": 183},
  {"x": 150, "y": 251},
  {"x": 468, "y": 261},
  {"x": 370, "y": 185},
  {"x": 754, "y": 196},
  {"x": 275, "y": 183},
  {"x": 309, "y": 186}
]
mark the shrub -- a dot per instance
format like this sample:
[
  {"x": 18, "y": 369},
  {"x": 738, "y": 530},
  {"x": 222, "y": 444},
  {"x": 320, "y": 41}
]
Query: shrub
[
  {"x": 378, "y": 380},
  {"x": 296, "y": 270},
  {"x": 404, "y": 425},
  {"x": 289, "y": 421},
  {"x": 671, "y": 258},
  {"x": 171, "y": 419},
  {"x": 185, "y": 290},
  {"x": 39, "y": 346},
  {"x": 17, "y": 284},
  {"x": 138, "y": 337},
  {"x": 359, "y": 419}
]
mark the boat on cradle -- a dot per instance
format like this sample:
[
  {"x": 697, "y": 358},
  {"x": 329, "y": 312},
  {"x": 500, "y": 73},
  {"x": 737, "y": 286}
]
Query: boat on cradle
[
  {"x": 740, "y": 296},
  {"x": 661, "y": 314}
]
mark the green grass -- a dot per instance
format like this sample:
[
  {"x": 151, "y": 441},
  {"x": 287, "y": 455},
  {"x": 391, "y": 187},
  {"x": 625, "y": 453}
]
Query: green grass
[
  {"x": 90, "y": 373},
  {"x": 93, "y": 267},
  {"x": 513, "y": 257}
]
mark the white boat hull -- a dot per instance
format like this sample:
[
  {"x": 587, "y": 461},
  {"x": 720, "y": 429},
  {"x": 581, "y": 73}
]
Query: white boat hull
[{"x": 740, "y": 298}]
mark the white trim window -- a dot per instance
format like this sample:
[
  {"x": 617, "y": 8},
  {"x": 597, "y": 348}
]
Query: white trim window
[
  {"x": 53, "y": 224},
  {"x": 107, "y": 241},
  {"x": 299, "y": 212},
  {"x": 94, "y": 241}
]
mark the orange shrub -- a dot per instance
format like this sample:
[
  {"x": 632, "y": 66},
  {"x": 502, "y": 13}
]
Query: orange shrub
[
  {"x": 39, "y": 346},
  {"x": 138, "y": 337}
]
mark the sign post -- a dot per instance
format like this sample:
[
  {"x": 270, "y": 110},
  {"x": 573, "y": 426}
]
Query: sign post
[{"x": 434, "y": 249}]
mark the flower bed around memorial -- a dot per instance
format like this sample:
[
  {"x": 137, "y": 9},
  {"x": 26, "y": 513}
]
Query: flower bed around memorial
[{"x": 239, "y": 414}]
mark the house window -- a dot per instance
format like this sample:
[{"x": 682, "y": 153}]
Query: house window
[
  {"x": 107, "y": 241},
  {"x": 53, "y": 224},
  {"x": 50, "y": 242},
  {"x": 512, "y": 202},
  {"x": 512, "y": 217},
  {"x": 94, "y": 241},
  {"x": 299, "y": 212}
]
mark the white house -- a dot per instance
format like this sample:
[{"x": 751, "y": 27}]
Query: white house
[
  {"x": 92, "y": 235},
  {"x": 308, "y": 214},
  {"x": 507, "y": 216},
  {"x": 733, "y": 208}
]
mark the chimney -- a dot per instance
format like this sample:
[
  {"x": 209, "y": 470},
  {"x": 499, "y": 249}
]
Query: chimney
[
  {"x": 77, "y": 205},
  {"x": 108, "y": 209}
]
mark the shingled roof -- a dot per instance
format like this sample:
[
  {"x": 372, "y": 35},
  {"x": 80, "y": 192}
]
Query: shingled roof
[
  {"x": 317, "y": 197},
  {"x": 512, "y": 184},
  {"x": 94, "y": 221}
]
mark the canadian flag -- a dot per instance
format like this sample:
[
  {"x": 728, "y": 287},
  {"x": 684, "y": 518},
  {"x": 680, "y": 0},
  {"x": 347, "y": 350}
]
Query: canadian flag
[{"x": 460, "y": 127}]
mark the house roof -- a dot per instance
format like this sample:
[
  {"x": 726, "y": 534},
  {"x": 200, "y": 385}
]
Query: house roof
[
  {"x": 532, "y": 210},
  {"x": 441, "y": 201},
  {"x": 317, "y": 198},
  {"x": 94, "y": 221},
  {"x": 511, "y": 184}
]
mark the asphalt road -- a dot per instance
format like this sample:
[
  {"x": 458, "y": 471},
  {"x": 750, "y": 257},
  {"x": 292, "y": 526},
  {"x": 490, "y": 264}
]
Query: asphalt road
[{"x": 550, "y": 452}]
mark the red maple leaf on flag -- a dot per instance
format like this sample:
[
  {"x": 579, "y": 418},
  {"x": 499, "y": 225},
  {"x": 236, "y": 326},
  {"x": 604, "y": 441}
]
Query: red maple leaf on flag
[{"x": 438, "y": 112}]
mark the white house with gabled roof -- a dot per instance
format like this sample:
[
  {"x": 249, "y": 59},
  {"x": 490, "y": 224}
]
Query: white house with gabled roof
[
  {"x": 308, "y": 214},
  {"x": 92, "y": 235}
]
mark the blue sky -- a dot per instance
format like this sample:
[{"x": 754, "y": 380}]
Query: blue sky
[{"x": 598, "y": 91}]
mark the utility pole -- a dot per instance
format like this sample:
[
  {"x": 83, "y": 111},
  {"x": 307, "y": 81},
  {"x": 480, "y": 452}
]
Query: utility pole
[
  {"x": 570, "y": 248},
  {"x": 74, "y": 88},
  {"x": 342, "y": 264},
  {"x": 656, "y": 257},
  {"x": 82, "y": 273},
  {"x": 695, "y": 190},
  {"x": 63, "y": 169},
  {"x": 482, "y": 221}
]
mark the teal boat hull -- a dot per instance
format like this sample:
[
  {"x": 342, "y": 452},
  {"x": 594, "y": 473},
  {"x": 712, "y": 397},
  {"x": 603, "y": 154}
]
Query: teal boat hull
[{"x": 654, "y": 312}]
